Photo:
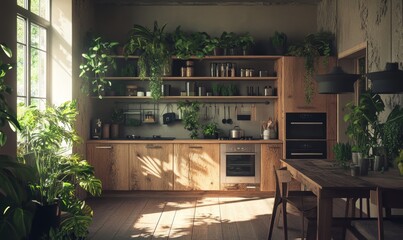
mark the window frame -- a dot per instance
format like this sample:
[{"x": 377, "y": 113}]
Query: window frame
[{"x": 31, "y": 18}]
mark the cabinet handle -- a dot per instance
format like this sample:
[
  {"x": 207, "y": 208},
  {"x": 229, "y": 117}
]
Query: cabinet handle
[
  {"x": 306, "y": 154},
  {"x": 153, "y": 147},
  {"x": 306, "y": 123},
  {"x": 103, "y": 147},
  {"x": 198, "y": 147}
]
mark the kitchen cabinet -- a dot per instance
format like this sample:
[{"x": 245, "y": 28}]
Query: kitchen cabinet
[
  {"x": 111, "y": 164},
  {"x": 151, "y": 166},
  {"x": 197, "y": 167},
  {"x": 293, "y": 86},
  {"x": 270, "y": 160}
]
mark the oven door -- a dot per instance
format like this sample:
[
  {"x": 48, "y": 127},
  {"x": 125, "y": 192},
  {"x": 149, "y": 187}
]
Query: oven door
[
  {"x": 305, "y": 125},
  {"x": 240, "y": 168},
  {"x": 296, "y": 149}
]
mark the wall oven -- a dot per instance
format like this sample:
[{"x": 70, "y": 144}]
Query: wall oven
[
  {"x": 240, "y": 164},
  {"x": 306, "y": 136}
]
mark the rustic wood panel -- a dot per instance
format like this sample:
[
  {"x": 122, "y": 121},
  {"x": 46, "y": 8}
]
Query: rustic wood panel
[
  {"x": 293, "y": 86},
  {"x": 197, "y": 167},
  {"x": 151, "y": 166},
  {"x": 110, "y": 162},
  {"x": 270, "y": 157}
]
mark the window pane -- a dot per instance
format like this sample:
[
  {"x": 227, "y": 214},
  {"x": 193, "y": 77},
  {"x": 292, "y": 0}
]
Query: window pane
[
  {"x": 38, "y": 37},
  {"x": 21, "y": 66},
  {"x": 21, "y": 100},
  {"x": 21, "y": 30},
  {"x": 38, "y": 73},
  {"x": 40, "y": 8},
  {"x": 39, "y": 103},
  {"x": 22, "y": 3}
]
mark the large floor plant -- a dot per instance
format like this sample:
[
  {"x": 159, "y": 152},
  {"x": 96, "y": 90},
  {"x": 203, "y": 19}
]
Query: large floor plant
[
  {"x": 47, "y": 135},
  {"x": 16, "y": 210}
]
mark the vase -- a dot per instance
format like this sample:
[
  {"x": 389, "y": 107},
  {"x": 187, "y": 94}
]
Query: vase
[
  {"x": 114, "y": 130},
  {"x": 45, "y": 218}
]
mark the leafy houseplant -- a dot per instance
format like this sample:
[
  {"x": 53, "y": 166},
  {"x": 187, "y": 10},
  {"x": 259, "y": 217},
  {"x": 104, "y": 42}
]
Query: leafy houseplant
[
  {"x": 46, "y": 137},
  {"x": 213, "y": 45},
  {"x": 155, "y": 58},
  {"x": 313, "y": 46},
  {"x": 392, "y": 133},
  {"x": 342, "y": 152},
  {"x": 16, "y": 209},
  {"x": 211, "y": 130},
  {"x": 279, "y": 42},
  {"x": 246, "y": 42},
  {"x": 230, "y": 42},
  {"x": 187, "y": 45},
  {"x": 360, "y": 117},
  {"x": 97, "y": 62},
  {"x": 191, "y": 114},
  {"x": 399, "y": 162}
]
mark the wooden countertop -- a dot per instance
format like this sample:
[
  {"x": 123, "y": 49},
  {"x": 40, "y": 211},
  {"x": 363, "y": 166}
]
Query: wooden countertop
[{"x": 187, "y": 141}]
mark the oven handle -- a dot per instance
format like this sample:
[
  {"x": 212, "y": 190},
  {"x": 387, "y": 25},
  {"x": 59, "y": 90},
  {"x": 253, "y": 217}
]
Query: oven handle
[
  {"x": 306, "y": 123},
  {"x": 306, "y": 154}
]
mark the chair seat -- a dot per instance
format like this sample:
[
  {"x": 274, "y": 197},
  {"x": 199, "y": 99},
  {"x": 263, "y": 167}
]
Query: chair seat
[
  {"x": 303, "y": 203},
  {"x": 368, "y": 228}
]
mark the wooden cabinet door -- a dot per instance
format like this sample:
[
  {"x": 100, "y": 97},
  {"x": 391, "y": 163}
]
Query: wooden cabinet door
[
  {"x": 293, "y": 86},
  {"x": 270, "y": 155},
  {"x": 151, "y": 166},
  {"x": 111, "y": 164},
  {"x": 197, "y": 167}
]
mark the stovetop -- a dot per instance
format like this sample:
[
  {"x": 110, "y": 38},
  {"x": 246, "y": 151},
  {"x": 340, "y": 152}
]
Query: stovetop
[{"x": 242, "y": 138}]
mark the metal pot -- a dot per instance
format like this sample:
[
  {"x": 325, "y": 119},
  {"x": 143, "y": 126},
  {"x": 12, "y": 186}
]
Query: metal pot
[{"x": 236, "y": 132}]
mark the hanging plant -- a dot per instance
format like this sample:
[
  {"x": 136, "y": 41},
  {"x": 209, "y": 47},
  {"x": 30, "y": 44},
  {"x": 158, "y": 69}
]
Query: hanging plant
[
  {"x": 97, "y": 62},
  {"x": 155, "y": 57},
  {"x": 313, "y": 46}
]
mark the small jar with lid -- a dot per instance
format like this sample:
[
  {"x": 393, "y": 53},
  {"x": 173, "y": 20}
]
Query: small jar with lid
[{"x": 131, "y": 90}]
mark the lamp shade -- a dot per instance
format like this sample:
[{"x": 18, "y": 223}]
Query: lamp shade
[
  {"x": 337, "y": 81},
  {"x": 388, "y": 81}
]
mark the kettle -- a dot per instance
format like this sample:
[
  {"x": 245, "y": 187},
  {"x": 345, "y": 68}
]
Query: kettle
[{"x": 236, "y": 133}]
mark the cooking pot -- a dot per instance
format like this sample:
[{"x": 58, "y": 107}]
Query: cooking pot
[{"x": 236, "y": 133}]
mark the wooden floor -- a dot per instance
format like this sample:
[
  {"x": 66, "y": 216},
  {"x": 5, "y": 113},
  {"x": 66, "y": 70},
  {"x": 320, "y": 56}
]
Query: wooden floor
[{"x": 185, "y": 215}]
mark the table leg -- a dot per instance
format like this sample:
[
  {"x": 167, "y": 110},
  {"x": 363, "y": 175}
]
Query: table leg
[{"x": 324, "y": 221}]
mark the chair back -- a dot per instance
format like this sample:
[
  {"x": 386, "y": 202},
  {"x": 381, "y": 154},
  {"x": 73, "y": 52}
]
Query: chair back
[
  {"x": 387, "y": 198},
  {"x": 283, "y": 177}
]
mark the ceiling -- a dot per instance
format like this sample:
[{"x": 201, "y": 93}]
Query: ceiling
[{"x": 206, "y": 2}]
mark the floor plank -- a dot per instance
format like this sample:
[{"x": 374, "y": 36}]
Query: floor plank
[{"x": 188, "y": 216}]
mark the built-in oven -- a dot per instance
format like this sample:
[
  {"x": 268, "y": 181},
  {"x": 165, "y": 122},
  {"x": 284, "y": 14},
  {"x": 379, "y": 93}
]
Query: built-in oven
[
  {"x": 306, "y": 136},
  {"x": 240, "y": 165}
]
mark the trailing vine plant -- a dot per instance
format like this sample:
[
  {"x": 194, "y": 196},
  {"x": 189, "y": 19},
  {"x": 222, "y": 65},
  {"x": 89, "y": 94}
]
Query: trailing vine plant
[
  {"x": 313, "y": 46},
  {"x": 97, "y": 62},
  {"x": 154, "y": 57}
]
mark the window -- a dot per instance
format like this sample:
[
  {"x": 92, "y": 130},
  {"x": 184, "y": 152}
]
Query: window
[{"x": 32, "y": 51}]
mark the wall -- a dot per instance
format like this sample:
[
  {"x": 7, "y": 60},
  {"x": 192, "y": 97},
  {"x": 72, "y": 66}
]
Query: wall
[
  {"x": 357, "y": 21},
  {"x": 114, "y": 22}
]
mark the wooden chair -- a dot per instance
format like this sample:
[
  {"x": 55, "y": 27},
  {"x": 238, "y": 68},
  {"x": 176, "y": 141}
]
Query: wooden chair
[
  {"x": 385, "y": 227},
  {"x": 301, "y": 203}
]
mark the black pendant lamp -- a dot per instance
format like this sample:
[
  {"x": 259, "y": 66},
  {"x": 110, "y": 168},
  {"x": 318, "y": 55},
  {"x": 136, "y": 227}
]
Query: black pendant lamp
[
  {"x": 388, "y": 81},
  {"x": 335, "y": 82}
]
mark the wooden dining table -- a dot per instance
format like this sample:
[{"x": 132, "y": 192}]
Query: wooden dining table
[{"x": 328, "y": 181}]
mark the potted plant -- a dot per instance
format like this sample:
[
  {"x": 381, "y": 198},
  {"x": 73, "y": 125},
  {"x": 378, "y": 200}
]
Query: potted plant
[
  {"x": 16, "y": 208},
  {"x": 230, "y": 43},
  {"x": 155, "y": 57},
  {"x": 246, "y": 42},
  {"x": 392, "y": 133},
  {"x": 342, "y": 154},
  {"x": 399, "y": 162},
  {"x": 213, "y": 45},
  {"x": 97, "y": 62},
  {"x": 279, "y": 42},
  {"x": 211, "y": 130},
  {"x": 188, "y": 45},
  {"x": 190, "y": 116},
  {"x": 118, "y": 117},
  {"x": 313, "y": 46},
  {"x": 46, "y": 137}
]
